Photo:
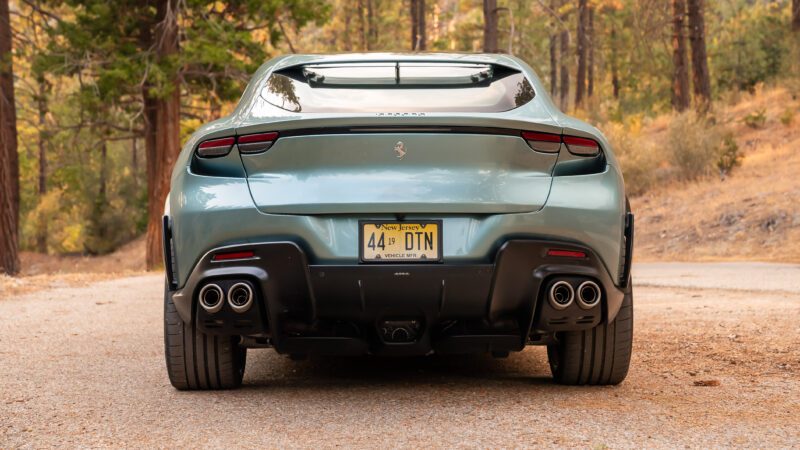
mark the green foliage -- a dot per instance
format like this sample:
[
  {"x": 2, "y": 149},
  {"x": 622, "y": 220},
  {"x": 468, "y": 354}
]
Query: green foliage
[
  {"x": 751, "y": 47},
  {"x": 756, "y": 119},
  {"x": 728, "y": 156}
]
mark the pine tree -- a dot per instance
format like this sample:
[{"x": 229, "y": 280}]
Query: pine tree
[{"x": 9, "y": 159}]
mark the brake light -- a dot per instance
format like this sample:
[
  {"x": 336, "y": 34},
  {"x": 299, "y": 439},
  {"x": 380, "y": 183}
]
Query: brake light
[
  {"x": 256, "y": 143},
  {"x": 551, "y": 143},
  {"x": 565, "y": 253},
  {"x": 233, "y": 255},
  {"x": 581, "y": 146},
  {"x": 215, "y": 147},
  {"x": 542, "y": 142}
]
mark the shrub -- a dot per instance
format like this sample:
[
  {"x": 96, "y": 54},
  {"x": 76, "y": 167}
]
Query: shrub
[
  {"x": 756, "y": 119},
  {"x": 787, "y": 117},
  {"x": 693, "y": 145},
  {"x": 729, "y": 156},
  {"x": 636, "y": 157}
]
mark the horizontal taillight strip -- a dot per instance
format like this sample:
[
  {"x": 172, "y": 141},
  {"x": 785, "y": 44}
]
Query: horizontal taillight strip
[
  {"x": 551, "y": 143},
  {"x": 249, "y": 144}
]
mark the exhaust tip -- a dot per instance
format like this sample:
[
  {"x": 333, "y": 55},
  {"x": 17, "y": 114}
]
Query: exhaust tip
[
  {"x": 240, "y": 297},
  {"x": 561, "y": 295},
  {"x": 211, "y": 298},
  {"x": 589, "y": 294}
]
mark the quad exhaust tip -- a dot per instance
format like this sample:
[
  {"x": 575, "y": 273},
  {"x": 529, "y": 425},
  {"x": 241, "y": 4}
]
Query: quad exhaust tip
[
  {"x": 561, "y": 295},
  {"x": 588, "y": 294},
  {"x": 240, "y": 297},
  {"x": 211, "y": 298}
]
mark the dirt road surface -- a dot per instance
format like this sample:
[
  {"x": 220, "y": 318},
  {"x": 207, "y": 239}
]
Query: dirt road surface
[{"x": 84, "y": 367}]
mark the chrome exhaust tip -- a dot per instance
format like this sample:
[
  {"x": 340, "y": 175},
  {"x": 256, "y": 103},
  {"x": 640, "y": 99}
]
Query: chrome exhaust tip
[
  {"x": 240, "y": 297},
  {"x": 589, "y": 295},
  {"x": 211, "y": 298},
  {"x": 561, "y": 295}
]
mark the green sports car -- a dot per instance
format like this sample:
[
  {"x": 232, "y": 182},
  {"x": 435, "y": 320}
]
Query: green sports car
[{"x": 397, "y": 204}]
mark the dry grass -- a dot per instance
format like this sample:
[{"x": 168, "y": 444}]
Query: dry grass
[
  {"x": 752, "y": 214},
  {"x": 41, "y": 271}
]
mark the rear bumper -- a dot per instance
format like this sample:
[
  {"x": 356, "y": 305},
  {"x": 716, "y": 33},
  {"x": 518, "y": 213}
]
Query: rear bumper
[{"x": 455, "y": 308}]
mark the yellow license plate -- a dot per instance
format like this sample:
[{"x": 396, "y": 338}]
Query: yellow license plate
[{"x": 401, "y": 241}]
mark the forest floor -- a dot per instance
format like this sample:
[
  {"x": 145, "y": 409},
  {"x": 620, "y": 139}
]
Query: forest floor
[{"x": 754, "y": 214}]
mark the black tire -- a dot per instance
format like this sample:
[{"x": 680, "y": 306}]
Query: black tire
[
  {"x": 599, "y": 356},
  {"x": 199, "y": 361}
]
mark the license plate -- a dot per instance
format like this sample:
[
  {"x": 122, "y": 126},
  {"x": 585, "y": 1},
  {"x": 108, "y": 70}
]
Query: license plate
[{"x": 387, "y": 241}]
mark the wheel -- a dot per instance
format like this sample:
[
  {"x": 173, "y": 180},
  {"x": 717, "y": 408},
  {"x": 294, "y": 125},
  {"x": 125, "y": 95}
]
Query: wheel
[
  {"x": 196, "y": 360},
  {"x": 598, "y": 356}
]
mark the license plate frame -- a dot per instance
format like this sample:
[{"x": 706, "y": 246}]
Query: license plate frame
[{"x": 362, "y": 244}]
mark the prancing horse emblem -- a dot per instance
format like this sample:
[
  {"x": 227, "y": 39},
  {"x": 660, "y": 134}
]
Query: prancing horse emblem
[{"x": 400, "y": 150}]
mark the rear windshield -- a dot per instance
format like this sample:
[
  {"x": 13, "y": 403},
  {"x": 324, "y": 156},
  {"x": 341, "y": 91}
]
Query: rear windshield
[{"x": 398, "y": 87}]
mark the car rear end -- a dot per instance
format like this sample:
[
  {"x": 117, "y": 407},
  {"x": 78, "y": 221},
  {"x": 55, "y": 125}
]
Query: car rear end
[{"x": 397, "y": 205}]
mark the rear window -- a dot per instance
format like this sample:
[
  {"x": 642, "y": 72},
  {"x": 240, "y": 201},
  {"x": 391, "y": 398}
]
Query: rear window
[{"x": 398, "y": 87}]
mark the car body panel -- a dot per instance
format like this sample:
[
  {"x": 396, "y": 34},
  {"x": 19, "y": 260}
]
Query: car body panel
[
  {"x": 431, "y": 173},
  {"x": 526, "y": 201}
]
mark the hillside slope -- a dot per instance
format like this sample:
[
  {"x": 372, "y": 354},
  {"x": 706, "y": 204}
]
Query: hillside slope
[{"x": 754, "y": 214}]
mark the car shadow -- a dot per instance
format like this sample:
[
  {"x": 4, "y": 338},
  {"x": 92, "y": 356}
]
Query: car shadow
[{"x": 268, "y": 370}]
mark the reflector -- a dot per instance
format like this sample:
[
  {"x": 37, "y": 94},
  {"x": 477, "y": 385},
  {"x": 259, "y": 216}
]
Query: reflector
[
  {"x": 566, "y": 253},
  {"x": 233, "y": 255}
]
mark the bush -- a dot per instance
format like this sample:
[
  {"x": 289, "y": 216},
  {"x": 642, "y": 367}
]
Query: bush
[
  {"x": 787, "y": 117},
  {"x": 756, "y": 119},
  {"x": 693, "y": 145},
  {"x": 637, "y": 159},
  {"x": 729, "y": 156}
]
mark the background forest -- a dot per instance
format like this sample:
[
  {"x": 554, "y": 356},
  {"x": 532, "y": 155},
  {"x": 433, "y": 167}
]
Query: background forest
[{"x": 104, "y": 92}]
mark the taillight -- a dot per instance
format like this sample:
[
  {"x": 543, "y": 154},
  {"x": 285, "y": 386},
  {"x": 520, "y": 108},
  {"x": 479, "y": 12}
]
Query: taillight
[
  {"x": 256, "y": 143},
  {"x": 248, "y": 144},
  {"x": 215, "y": 147},
  {"x": 581, "y": 146},
  {"x": 543, "y": 142},
  {"x": 551, "y": 143}
]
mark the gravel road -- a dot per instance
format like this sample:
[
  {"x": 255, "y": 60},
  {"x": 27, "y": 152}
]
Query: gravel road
[{"x": 84, "y": 367}]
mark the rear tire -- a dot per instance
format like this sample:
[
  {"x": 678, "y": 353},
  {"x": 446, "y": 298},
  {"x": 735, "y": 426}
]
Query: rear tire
[
  {"x": 199, "y": 361},
  {"x": 599, "y": 356}
]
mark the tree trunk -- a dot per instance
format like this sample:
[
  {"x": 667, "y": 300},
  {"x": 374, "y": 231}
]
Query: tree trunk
[
  {"x": 362, "y": 25},
  {"x": 590, "y": 60},
  {"x": 167, "y": 131},
  {"x": 680, "y": 78},
  {"x": 41, "y": 103},
  {"x": 414, "y": 21},
  {"x": 135, "y": 162},
  {"x": 697, "y": 37},
  {"x": 796, "y": 15},
  {"x": 614, "y": 64},
  {"x": 553, "y": 65},
  {"x": 9, "y": 159},
  {"x": 554, "y": 4},
  {"x": 372, "y": 38},
  {"x": 422, "y": 37},
  {"x": 490, "y": 26},
  {"x": 564, "y": 57},
  {"x": 580, "y": 77}
]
